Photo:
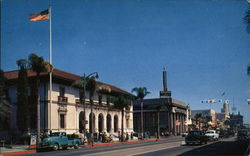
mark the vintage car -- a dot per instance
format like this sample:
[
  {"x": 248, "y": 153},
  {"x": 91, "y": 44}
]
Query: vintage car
[
  {"x": 212, "y": 135},
  {"x": 196, "y": 137},
  {"x": 59, "y": 140},
  {"x": 243, "y": 134}
]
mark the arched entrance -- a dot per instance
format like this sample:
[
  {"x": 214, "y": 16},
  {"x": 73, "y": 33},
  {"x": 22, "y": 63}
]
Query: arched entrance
[
  {"x": 81, "y": 122},
  {"x": 100, "y": 122},
  {"x": 108, "y": 123},
  {"x": 115, "y": 123},
  {"x": 90, "y": 123}
]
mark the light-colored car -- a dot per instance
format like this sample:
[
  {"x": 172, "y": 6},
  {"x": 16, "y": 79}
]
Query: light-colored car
[{"x": 212, "y": 135}]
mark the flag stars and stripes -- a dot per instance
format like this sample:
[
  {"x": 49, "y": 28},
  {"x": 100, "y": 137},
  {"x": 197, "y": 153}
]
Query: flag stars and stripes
[{"x": 44, "y": 15}]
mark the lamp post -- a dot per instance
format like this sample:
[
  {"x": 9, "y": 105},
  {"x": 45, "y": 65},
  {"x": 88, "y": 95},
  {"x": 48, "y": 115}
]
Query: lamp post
[{"x": 84, "y": 78}]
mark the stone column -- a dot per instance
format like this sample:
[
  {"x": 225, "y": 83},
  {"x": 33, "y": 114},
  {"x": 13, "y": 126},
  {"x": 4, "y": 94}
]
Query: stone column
[
  {"x": 96, "y": 122},
  {"x": 174, "y": 123},
  {"x": 87, "y": 125},
  {"x": 105, "y": 123},
  {"x": 169, "y": 122}
]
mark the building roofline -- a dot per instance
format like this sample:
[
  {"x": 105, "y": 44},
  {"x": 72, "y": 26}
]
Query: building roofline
[{"x": 13, "y": 75}]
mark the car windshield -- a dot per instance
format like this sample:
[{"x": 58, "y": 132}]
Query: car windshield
[
  {"x": 55, "y": 134},
  {"x": 194, "y": 133}
]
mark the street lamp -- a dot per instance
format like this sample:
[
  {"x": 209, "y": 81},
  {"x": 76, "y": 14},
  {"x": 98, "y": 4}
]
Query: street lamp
[{"x": 85, "y": 78}]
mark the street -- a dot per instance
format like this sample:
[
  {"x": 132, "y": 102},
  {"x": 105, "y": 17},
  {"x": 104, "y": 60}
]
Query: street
[{"x": 166, "y": 146}]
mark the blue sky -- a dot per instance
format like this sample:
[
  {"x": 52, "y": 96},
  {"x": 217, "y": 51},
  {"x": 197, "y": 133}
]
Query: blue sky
[{"x": 203, "y": 44}]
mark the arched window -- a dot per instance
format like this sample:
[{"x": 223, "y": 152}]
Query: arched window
[
  {"x": 100, "y": 123},
  {"x": 90, "y": 123},
  {"x": 108, "y": 123},
  {"x": 115, "y": 123},
  {"x": 81, "y": 122}
]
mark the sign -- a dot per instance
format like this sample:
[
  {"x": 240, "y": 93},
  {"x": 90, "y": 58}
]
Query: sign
[
  {"x": 32, "y": 140},
  {"x": 84, "y": 122}
]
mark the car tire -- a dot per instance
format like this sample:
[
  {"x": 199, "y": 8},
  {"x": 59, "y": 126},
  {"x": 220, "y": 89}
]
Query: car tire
[
  {"x": 76, "y": 146},
  {"x": 55, "y": 147}
]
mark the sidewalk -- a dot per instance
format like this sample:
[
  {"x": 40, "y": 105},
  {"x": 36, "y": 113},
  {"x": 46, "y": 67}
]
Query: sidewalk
[
  {"x": 16, "y": 150},
  {"x": 22, "y": 149}
]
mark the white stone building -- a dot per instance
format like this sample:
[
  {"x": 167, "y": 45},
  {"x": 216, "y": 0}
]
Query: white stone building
[{"x": 65, "y": 113}]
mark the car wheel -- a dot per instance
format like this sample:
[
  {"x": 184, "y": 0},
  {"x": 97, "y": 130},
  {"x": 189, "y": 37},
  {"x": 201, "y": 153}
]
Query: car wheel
[
  {"x": 76, "y": 146},
  {"x": 55, "y": 147}
]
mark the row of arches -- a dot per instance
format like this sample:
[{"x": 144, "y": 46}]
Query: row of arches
[{"x": 100, "y": 122}]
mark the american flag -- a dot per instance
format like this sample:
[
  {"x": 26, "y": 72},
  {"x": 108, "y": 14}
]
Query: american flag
[{"x": 44, "y": 15}]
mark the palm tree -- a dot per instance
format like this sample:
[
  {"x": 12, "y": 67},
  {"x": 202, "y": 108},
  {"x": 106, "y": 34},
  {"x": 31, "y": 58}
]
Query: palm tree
[
  {"x": 198, "y": 118},
  {"x": 91, "y": 87},
  {"x": 4, "y": 104},
  {"x": 141, "y": 92},
  {"x": 122, "y": 102},
  {"x": 248, "y": 69},
  {"x": 158, "y": 108},
  {"x": 22, "y": 95},
  {"x": 38, "y": 65}
]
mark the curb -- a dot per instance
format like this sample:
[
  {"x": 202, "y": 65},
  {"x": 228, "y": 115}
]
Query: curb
[
  {"x": 18, "y": 153},
  {"x": 85, "y": 146}
]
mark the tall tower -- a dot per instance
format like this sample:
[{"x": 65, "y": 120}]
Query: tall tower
[
  {"x": 165, "y": 93},
  {"x": 165, "y": 80}
]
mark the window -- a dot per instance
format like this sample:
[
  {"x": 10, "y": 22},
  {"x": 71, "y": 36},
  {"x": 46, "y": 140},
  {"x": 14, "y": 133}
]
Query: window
[
  {"x": 61, "y": 91},
  {"x": 62, "y": 120},
  {"x": 108, "y": 100},
  {"x": 100, "y": 100}
]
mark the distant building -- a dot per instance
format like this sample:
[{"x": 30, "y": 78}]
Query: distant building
[
  {"x": 209, "y": 114},
  {"x": 225, "y": 109},
  {"x": 236, "y": 120},
  {"x": 221, "y": 117},
  {"x": 173, "y": 114}
]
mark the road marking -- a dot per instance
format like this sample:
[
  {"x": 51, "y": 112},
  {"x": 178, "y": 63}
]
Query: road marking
[
  {"x": 137, "y": 150},
  {"x": 154, "y": 150}
]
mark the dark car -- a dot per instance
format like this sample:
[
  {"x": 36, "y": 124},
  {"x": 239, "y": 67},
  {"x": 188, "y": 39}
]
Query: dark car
[
  {"x": 196, "y": 137},
  {"x": 224, "y": 134},
  {"x": 242, "y": 134}
]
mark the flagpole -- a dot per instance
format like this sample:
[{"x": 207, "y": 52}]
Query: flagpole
[{"x": 50, "y": 60}]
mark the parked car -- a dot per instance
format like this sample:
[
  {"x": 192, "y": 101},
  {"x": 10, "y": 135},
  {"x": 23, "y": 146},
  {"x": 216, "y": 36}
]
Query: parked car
[
  {"x": 59, "y": 140},
  {"x": 184, "y": 134},
  {"x": 243, "y": 134},
  {"x": 224, "y": 134},
  {"x": 196, "y": 137},
  {"x": 212, "y": 135}
]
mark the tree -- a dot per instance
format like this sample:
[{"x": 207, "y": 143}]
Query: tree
[
  {"x": 198, "y": 118},
  {"x": 22, "y": 96},
  {"x": 158, "y": 108},
  {"x": 4, "y": 104},
  {"x": 91, "y": 87},
  {"x": 38, "y": 65},
  {"x": 248, "y": 69},
  {"x": 141, "y": 92},
  {"x": 122, "y": 102}
]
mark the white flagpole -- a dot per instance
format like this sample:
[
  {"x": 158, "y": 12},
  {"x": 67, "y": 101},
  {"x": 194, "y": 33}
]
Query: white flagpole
[{"x": 50, "y": 60}]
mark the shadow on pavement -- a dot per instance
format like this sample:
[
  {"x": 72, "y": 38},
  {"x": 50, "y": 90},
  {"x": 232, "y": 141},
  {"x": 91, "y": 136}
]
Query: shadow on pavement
[{"x": 220, "y": 148}]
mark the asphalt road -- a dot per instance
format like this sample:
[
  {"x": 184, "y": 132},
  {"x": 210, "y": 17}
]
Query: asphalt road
[{"x": 168, "y": 146}]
